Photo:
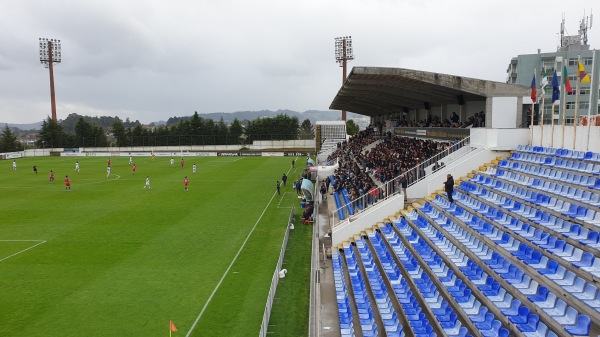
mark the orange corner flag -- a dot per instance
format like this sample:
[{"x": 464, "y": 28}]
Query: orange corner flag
[{"x": 172, "y": 326}]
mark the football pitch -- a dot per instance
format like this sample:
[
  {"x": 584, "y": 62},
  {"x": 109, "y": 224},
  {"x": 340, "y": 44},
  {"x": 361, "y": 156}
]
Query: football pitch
[{"x": 110, "y": 258}]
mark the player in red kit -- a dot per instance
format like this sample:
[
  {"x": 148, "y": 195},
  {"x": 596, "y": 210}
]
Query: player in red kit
[
  {"x": 185, "y": 183},
  {"x": 67, "y": 183},
  {"x": 108, "y": 162},
  {"x": 182, "y": 162},
  {"x": 51, "y": 176},
  {"x": 133, "y": 169}
]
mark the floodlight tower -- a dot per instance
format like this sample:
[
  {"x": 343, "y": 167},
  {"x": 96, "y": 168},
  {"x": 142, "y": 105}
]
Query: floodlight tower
[
  {"x": 343, "y": 54},
  {"x": 50, "y": 53}
]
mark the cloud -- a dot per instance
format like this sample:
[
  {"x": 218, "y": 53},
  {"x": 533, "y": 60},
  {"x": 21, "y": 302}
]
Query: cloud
[{"x": 154, "y": 59}]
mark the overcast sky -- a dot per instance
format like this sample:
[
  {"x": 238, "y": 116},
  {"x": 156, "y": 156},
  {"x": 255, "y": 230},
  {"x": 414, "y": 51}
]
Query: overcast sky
[{"x": 154, "y": 59}]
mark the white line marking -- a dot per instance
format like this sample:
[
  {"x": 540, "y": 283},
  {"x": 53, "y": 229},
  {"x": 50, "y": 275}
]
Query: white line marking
[
  {"x": 228, "y": 268},
  {"x": 39, "y": 242}
]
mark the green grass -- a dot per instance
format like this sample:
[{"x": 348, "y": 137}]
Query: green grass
[{"x": 119, "y": 260}]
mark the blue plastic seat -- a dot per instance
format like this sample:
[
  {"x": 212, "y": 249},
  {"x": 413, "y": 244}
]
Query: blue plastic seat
[
  {"x": 531, "y": 325},
  {"x": 581, "y": 328}
]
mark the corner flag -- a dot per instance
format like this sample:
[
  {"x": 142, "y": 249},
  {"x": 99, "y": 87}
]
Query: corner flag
[{"x": 172, "y": 327}]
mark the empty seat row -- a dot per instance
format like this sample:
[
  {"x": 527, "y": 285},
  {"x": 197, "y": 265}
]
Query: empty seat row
[
  {"x": 361, "y": 296},
  {"x": 555, "y": 245},
  {"x": 501, "y": 266},
  {"x": 385, "y": 308},
  {"x": 587, "y": 214},
  {"x": 585, "y": 196},
  {"x": 341, "y": 294},
  {"x": 559, "y": 152},
  {"x": 553, "y": 174},
  {"x": 530, "y": 325}
]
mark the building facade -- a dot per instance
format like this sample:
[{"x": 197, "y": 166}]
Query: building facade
[{"x": 584, "y": 98}]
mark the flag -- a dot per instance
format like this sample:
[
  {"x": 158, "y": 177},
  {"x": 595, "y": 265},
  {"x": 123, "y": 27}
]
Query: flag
[
  {"x": 566, "y": 81},
  {"x": 555, "y": 87},
  {"x": 533, "y": 91},
  {"x": 583, "y": 77},
  {"x": 172, "y": 326},
  {"x": 544, "y": 81}
]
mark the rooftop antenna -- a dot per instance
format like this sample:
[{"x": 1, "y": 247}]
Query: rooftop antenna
[
  {"x": 584, "y": 26},
  {"x": 562, "y": 31}
]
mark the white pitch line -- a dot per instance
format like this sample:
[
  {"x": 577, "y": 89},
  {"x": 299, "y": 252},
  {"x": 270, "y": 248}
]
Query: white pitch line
[
  {"x": 229, "y": 268},
  {"x": 24, "y": 250}
]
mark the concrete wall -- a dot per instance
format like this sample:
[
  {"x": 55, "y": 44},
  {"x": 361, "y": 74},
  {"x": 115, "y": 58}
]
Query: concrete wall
[
  {"x": 582, "y": 139},
  {"x": 303, "y": 144},
  {"x": 353, "y": 225},
  {"x": 499, "y": 139},
  {"x": 457, "y": 168}
]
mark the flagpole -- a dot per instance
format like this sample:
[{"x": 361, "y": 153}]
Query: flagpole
[
  {"x": 592, "y": 78},
  {"x": 576, "y": 104},
  {"x": 553, "y": 100},
  {"x": 544, "y": 80},
  {"x": 533, "y": 97},
  {"x": 564, "y": 105},
  {"x": 552, "y": 128}
]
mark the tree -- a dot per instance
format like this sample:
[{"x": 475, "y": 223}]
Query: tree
[
  {"x": 84, "y": 133},
  {"x": 235, "y": 131},
  {"x": 118, "y": 130},
  {"x": 51, "y": 135},
  {"x": 307, "y": 130},
  {"x": 8, "y": 141},
  {"x": 351, "y": 128}
]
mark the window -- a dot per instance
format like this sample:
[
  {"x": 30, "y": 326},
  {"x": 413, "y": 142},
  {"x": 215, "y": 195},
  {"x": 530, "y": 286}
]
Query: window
[
  {"x": 584, "y": 91},
  {"x": 571, "y": 105},
  {"x": 549, "y": 66},
  {"x": 584, "y": 105},
  {"x": 572, "y": 61},
  {"x": 587, "y": 61}
]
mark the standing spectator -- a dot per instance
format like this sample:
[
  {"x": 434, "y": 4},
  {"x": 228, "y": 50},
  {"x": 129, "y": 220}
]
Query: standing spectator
[
  {"x": 284, "y": 179},
  {"x": 449, "y": 186},
  {"x": 278, "y": 188},
  {"x": 323, "y": 192},
  {"x": 454, "y": 118},
  {"x": 404, "y": 185},
  {"x": 327, "y": 182}
]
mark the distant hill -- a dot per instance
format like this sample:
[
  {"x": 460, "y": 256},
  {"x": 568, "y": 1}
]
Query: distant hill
[
  {"x": 228, "y": 117},
  {"x": 24, "y": 127}
]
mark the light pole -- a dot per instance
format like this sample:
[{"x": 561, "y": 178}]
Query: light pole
[
  {"x": 50, "y": 53},
  {"x": 343, "y": 53}
]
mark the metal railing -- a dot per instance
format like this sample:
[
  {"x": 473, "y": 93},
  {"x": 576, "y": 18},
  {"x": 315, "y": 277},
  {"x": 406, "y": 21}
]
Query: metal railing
[
  {"x": 275, "y": 280},
  {"x": 394, "y": 186}
]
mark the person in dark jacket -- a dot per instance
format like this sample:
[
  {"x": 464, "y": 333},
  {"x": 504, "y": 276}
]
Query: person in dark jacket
[
  {"x": 404, "y": 185},
  {"x": 449, "y": 186}
]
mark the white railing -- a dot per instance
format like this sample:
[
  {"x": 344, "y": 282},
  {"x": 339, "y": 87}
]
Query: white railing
[
  {"x": 394, "y": 186},
  {"x": 275, "y": 280}
]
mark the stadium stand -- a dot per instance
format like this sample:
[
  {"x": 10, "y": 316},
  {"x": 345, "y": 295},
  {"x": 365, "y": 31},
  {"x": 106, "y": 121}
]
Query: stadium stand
[{"x": 517, "y": 253}]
